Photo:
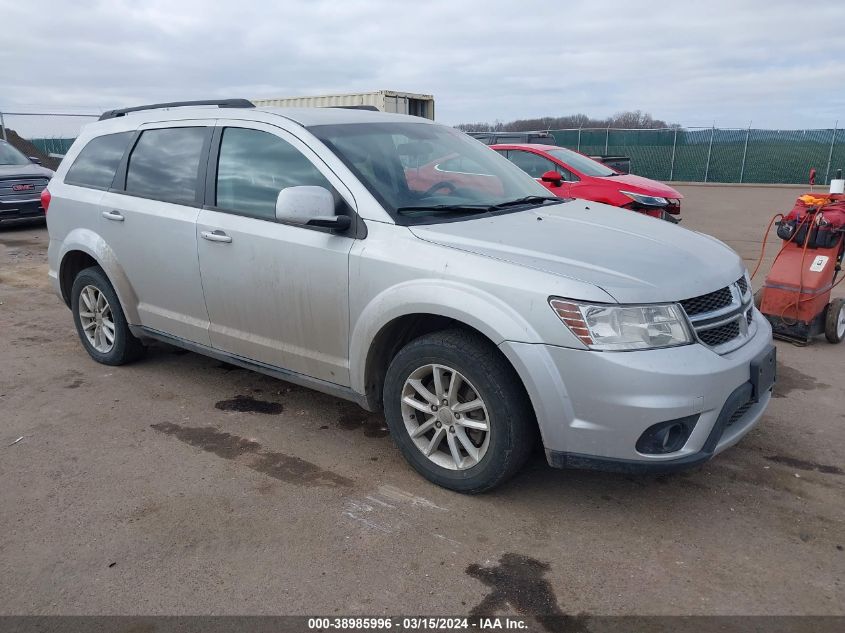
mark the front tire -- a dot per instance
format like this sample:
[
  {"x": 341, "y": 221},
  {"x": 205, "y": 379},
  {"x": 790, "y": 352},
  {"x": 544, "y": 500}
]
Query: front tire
[
  {"x": 99, "y": 319},
  {"x": 458, "y": 412}
]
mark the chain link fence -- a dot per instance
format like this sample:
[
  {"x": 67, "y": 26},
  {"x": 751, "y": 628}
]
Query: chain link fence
[
  {"x": 717, "y": 154},
  {"x": 727, "y": 155},
  {"x": 44, "y": 135}
]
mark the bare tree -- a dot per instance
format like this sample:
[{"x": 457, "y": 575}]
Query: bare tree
[{"x": 636, "y": 119}]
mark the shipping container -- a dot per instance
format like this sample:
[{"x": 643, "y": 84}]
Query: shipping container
[{"x": 384, "y": 100}]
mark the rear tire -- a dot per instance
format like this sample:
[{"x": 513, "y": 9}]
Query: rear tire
[
  {"x": 99, "y": 319},
  {"x": 453, "y": 395},
  {"x": 834, "y": 323}
]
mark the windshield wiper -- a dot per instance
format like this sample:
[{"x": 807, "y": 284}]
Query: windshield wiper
[
  {"x": 525, "y": 200},
  {"x": 445, "y": 208},
  {"x": 475, "y": 208}
]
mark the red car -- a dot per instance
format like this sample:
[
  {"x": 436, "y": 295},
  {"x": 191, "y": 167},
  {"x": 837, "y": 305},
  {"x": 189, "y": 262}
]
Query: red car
[{"x": 569, "y": 174}]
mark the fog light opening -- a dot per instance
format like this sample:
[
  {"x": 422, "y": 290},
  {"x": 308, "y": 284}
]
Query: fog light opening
[{"x": 666, "y": 437}]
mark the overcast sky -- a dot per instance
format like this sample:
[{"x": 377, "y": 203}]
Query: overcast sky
[{"x": 775, "y": 63}]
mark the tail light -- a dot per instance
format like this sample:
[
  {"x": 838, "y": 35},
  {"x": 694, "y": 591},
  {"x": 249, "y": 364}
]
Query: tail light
[{"x": 45, "y": 199}]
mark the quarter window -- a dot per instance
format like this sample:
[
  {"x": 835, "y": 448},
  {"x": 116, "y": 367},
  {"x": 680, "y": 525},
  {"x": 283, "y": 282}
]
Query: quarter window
[
  {"x": 165, "y": 164},
  {"x": 532, "y": 164},
  {"x": 254, "y": 166},
  {"x": 97, "y": 162}
]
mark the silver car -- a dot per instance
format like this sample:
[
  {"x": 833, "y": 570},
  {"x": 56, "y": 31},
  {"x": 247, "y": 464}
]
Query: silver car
[{"x": 405, "y": 266}]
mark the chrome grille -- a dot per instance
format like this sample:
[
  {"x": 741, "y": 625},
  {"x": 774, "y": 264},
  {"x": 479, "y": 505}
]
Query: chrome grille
[
  {"x": 707, "y": 303},
  {"x": 723, "y": 320},
  {"x": 719, "y": 335},
  {"x": 8, "y": 193}
]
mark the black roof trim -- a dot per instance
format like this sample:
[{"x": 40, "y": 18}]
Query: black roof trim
[{"x": 220, "y": 103}]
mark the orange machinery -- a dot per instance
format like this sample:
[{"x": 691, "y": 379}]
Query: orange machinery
[{"x": 796, "y": 294}]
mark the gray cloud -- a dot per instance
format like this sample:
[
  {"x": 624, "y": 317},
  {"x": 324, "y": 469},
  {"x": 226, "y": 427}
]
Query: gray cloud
[{"x": 778, "y": 63}]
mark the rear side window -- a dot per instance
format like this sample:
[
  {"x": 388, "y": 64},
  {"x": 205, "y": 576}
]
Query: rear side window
[
  {"x": 97, "y": 162},
  {"x": 254, "y": 167},
  {"x": 533, "y": 164},
  {"x": 165, "y": 164}
]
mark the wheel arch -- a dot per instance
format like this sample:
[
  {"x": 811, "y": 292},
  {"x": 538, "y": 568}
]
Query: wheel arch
[
  {"x": 391, "y": 320},
  {"x": 82, "y": 249}
]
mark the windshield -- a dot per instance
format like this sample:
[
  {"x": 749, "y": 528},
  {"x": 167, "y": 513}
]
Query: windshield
[
  {"x": 579, "y": 162},
  {"x": 10, "y": 156},
  {"x": 420, "y": 171}
]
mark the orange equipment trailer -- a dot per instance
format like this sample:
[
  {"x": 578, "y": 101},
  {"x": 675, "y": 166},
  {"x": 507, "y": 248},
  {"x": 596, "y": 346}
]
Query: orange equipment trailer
[{"x": 796, "y": 293}]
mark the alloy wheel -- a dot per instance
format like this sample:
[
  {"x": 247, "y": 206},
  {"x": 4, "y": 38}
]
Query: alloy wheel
[
  {"x": 96, "y": 318},
  {"x": 445, "y": 417}
]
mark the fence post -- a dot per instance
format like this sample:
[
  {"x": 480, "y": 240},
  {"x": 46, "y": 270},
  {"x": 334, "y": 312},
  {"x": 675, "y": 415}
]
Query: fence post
[
  {"x": 606, "y": 140},
  {"x": 709, "y": 151},
  {"x": 578, "y": 149},
  {"x": 830, "y": 154},
  {"x": 3, "y": 127},
  {"x": 744, "y": 152},
  {"x": 672, "y": 164}
]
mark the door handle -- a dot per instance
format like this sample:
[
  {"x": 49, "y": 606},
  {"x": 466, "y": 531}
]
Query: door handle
[
  {"x": 117, "y": 216},
  {"x": 215, "y": 236}
]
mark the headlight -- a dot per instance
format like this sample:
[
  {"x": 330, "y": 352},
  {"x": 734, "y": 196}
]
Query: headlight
[
  {"x": 624, "y": 327},
  {"x": 648, "y": 201}
]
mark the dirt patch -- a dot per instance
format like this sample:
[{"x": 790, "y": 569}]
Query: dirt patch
[
  {"x": 248, "y": 404},
  {"x": 517, "y": 583},
  {"x": 26, "y": 277},
  {"x": 293, "y": 469},
  {"x": 36, "y": 339},
  {"x": 287, "y": 468},
  {"x": 210, "y": 440},
  {"x": 682, "y": 480},
  {"x": 10, "y": 242},
  {"x": 790, "y": 379},
  {"x": 354, "y": 418},
  {"x": 28, "y": 149},
  {"x": 800, "y": 464},
  {"x": 144, "y": 511}
]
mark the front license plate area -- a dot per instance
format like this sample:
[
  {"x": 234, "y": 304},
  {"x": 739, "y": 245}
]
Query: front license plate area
[{"x": 763, "y": 372}]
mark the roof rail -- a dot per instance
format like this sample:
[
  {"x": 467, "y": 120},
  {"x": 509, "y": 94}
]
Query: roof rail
[{"x": 220, "y": 103}]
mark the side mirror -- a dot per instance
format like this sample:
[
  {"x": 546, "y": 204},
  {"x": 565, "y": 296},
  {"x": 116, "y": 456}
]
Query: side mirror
[
  {"x": 310, "y": 206},
  {"x": 35, "y": 159},
  {"x": 553, "y": 177}
]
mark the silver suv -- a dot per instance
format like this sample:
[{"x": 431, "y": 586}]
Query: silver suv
[{"x": 403, "y": 265}]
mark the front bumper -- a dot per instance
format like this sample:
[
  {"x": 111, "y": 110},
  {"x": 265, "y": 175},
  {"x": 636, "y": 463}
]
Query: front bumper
[
  {"x": 21, "y": 209},
  {"x": 593, "y": 406},
  {"x": 668, "y": 213}
]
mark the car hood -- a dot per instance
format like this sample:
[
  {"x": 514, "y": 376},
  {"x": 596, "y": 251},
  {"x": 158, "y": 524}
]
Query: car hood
[
  {"x": 25, "y": 171},
  {"x": 632, "y": 257},
  {"x": 638, "y": 184}
]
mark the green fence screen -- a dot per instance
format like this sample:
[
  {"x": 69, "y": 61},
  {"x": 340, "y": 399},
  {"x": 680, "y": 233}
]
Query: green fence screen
[
  {"x": 690, "y": 154},
  {"x": 58, "y": 146},
  {"x": 717, "y": 155}
]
